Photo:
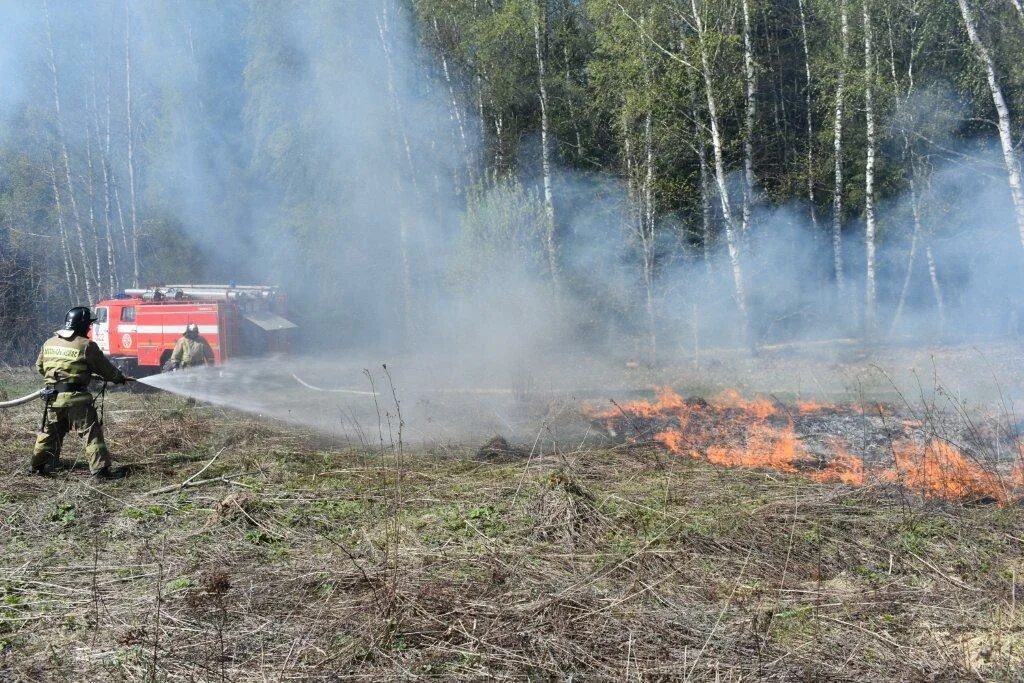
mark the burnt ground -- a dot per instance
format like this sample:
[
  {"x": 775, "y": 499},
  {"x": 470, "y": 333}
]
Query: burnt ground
[
  {"x": 291, "y": 554},
  {"x": 870, "y": 431}
]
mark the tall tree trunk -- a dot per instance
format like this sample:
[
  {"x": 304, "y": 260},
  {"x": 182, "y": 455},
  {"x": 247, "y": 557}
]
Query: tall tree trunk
[
  {"x": 406, "y": 153},
  {"x": 103, "y": 143},
  {"x": 705, "y": 184},
  {"x": 1003, "y": 113},
  {"x": 837, "y": 194},
  {"x": 456, "y": 116},
  {"x": 72, "y": 201},
  {"x": 93, "y": 230},
  {"x": 732, "y": 241},
  {"x": 750, "y": 87},
  {"x": 70, "y": 272},
  {"x": 933, "y": 276},
  {"x": 133, "y": 213},
  {"x": 539, "y": 22},
  {"x": 705, "y": 194},
  {"x": 870, "y": 293},
  {"x": 641, "y": 218},
  {"x": 1019, "y": 6},
  {"x": 916, "y": 210},
  {"x": 810, "y": 118},
  {"x": 648, "y": 228},
  {"x": 573, "y": 116},
  {"x": 120, "y": 217},
  {"x": 648, "y": 224}
]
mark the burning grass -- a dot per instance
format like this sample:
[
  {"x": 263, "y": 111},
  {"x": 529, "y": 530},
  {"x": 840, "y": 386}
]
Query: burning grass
[
  {"x": 312, "y": 560},
  {"x": 850, "y": 444}
]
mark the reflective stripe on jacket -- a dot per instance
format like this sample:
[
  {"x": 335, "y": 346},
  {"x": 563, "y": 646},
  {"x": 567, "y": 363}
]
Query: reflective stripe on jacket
[{"x": 73, "y": 358}]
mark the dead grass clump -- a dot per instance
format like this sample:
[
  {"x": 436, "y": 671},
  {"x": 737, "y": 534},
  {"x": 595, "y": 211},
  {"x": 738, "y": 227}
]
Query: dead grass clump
[
  {"x": 499, "y": 450},
  {"x": 178, "y": 431},
  {"x": 565, "y": 511},
  {"x": 233, "y": 506}
]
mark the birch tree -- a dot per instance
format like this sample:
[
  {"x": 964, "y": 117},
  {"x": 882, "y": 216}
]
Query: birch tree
[
  {"x": 870, "y": 291},
  {"x": 1019, "y": 6},
  {"x": 103, "y": 146},
  {"x": 130, "y": 137},
  {"x": 539, "y": 23},
  {"x": 1002, "y": 112},
  {"x": 87, "y": 281},
  {"x": 456, "y": 114},
  {"x": 70, "y": 270},
  {"x": 731, "y": 238},
  {"x": 837, "y": 149},
  {"x": 406, "y": 153},
  {"x": 810, "y": 116},
  {"x": 749, "y": 89}
]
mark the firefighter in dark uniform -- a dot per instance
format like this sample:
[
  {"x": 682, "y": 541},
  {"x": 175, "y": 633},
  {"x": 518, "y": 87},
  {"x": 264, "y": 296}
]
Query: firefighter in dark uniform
[
  {"x": 190, "y": 351},
  {"x": 67, "y": 361}
]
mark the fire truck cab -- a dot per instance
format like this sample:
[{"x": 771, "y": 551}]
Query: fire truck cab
[{"x": 139, "y": 327}]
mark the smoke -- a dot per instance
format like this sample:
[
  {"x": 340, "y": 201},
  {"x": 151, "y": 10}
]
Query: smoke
[{"x": 317, "y": 145}]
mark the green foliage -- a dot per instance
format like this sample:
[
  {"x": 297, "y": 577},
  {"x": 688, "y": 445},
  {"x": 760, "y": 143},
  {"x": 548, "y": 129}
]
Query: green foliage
[
  {"x": 501, "y": 235},
  {"x": 64, "y": 514}
]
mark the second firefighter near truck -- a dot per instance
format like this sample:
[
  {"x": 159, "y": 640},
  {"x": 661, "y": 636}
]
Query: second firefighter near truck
[
  {"x": 191, "y": 350},
  {"x": 68, "y": 361}
]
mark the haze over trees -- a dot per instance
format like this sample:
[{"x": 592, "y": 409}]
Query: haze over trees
[{"x": 661, "y": 174}]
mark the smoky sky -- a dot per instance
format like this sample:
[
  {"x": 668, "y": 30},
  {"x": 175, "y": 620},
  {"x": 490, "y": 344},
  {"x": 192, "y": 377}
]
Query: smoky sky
[{"x": 315, "y": 145}]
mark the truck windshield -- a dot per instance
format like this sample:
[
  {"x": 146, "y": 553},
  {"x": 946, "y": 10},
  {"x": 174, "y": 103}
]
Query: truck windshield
[{"x": 101, "y": 315}]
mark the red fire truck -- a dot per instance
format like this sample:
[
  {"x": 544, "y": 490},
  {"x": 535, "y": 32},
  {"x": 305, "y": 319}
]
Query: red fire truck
[{"x": 139, "y": 327}]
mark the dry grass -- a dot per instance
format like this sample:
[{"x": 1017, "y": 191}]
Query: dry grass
[{"x": 306, "y": 560}]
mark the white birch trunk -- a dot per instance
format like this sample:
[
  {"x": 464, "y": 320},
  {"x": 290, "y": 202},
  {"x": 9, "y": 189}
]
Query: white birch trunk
[
  {"x": 456, "y": 116},
  {"x": 705, "y": 189},
  {"x": 916, "y": 210},
  {"x": 870, "y": 291},
  {"x": 133, "y": 213},
  {"x": 648, "y": 224},
  {"x": 810, "y": 118},
  {"x": 837, "y": 194},
  {"x": 70, "y": 271},
  {"x": 403, "y": 232},
  {"x": 539, "y": 18},
  {"x": 1019, "y": 6},
  {"x": 732, "y": 241},
  {"x": 933, "y": 276},
  {"x": 1003, "y": 113},
  {"x": 104, "y": 143},
  {"x": 750, "y": 87},
  {"x": 120, "y": 217},
  {"x": 94, "y": 232},
  {"x": 65, "y": 157},
  {"x": 573, "y": 117}
]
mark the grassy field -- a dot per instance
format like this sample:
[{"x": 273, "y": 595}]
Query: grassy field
[{"x": 238, "y": 550}]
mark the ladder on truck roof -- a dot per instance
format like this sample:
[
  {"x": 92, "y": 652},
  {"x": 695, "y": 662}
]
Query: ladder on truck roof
[{"x": 205, "y": 292}]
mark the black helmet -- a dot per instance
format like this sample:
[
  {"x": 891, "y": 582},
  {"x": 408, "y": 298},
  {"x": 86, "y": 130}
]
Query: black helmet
[
  {"x": 78, "y": 319},
  {"x": 192, "y": 331}
]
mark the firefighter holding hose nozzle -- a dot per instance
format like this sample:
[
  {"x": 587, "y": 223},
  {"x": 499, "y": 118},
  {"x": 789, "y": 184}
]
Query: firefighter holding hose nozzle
[{"x": 68, "y": 361}]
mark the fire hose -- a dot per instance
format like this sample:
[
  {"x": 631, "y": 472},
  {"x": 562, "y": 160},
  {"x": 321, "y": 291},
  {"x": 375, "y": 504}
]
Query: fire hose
[
  {"x": 36, "y": 394},
  {"x": 24, "y": 399}
]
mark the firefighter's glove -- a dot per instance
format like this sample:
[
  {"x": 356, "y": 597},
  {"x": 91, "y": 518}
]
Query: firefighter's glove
[{"x": 121, "y": 380}]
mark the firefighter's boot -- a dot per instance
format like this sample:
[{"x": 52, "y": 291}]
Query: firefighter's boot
[{"x": 109, "y": 474}]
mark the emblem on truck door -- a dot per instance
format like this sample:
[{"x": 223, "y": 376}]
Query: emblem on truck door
[{"x": 126, "y": 340}]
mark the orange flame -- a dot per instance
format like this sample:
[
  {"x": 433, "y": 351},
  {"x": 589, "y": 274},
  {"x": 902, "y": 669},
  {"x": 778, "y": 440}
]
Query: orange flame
[
  {"x": 844, "y": 468},
  {"x": 939, "y": 469},
  {"x": 732, "y": 431}
]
